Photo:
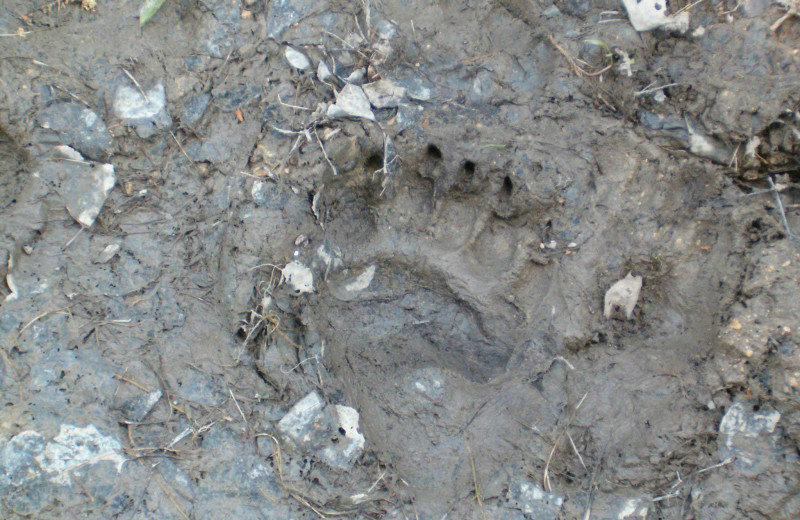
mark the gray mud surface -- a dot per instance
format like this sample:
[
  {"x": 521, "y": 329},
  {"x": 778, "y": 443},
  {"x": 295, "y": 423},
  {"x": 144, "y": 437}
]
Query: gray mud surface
[{"x": 283, "y": 313}]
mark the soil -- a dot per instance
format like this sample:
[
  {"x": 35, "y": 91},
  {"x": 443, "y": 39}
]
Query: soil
[{"x": 460, "y": 244}]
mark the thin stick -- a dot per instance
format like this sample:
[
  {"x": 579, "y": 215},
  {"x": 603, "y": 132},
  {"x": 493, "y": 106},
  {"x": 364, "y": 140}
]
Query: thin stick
[
  {"x": 297, "y": 107},
  {"x": 649, "y": 89},
  {"x": 546, "y": 478},
  {"x": 715, "y": 466},
  {"x": 131, "y": 382},
  {"x": 70, "y": 94},
  {"x": 324, "y": 153},
  {"x": 775, "y": 26},
  {"x": 180, "y": 146},
  {"x": 305, "y": 503},
  {"x": 686, "y": 8},
  {"x": 139, "y": 87},
  {"x": 37, "y": 318},
  {"x": 375, "y": 484},
  {"x": 573, "y": 62},
  {"x": 20, "y": 34},
  {"x": 575, "y": 449},
  {"x": 780, "y": 209},
  {"x": 348, "y": 44},
  {"x": 246, "y": 425},
  {"x": 71, "y": 240},
  {"x": 169, "y": 496}
]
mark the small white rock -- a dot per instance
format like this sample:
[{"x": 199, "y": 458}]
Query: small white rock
[
  {"x": 299, "y": 277},
  {"x": 622, "y": 296},
  {"x": 297, "y": 59},
  {"x": 646, "y": 15}
]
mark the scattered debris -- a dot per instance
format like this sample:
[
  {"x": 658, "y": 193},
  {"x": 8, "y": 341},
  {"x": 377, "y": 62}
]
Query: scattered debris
[
  {"x": 646, "y": 15},
  {"x": 622, "y": 297},
  {"x": 351, "y": 102}
]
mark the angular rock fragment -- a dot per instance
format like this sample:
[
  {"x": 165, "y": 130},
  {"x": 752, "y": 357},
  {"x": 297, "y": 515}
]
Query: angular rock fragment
[
  {"x": 351, "y": 102},
  {"x": 148, "y": 115},
  {"x": 85, "y": 188},
  {"x": 330, "y": 432}
]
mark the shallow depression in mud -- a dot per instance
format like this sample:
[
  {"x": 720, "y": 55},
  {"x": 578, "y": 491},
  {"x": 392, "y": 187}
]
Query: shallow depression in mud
[{"x": 406, "y": 320}]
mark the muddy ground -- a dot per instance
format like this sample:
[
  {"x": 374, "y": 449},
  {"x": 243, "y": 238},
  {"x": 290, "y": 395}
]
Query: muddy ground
[{"x": 281, "y": 311}]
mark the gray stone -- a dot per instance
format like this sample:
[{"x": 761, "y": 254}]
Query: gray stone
[
  {"x": 416, "y": 87},
  {"x": 149, "y": 115},
  {"x": 229, "y": 98},
  {"x": 746, "y": 438},
  {"x": 194, "y": 108},
  {"x": 78, "y": 127},
  {"x": 408, "y": 115},
  {"x": 217, "y": 33}
]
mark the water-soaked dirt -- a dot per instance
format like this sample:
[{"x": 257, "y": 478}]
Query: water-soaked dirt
[{"x": 460, "y": 237}]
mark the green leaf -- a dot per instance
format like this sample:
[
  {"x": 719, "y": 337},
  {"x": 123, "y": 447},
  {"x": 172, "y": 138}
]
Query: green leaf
[{"x": 149, "y": 8}]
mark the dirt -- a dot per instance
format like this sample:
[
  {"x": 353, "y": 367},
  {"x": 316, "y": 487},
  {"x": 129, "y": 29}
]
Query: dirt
[{"x": 460, "y": 245}]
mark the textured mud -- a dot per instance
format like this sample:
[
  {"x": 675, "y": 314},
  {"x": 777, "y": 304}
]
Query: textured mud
[{"x": 460, "y": 245}]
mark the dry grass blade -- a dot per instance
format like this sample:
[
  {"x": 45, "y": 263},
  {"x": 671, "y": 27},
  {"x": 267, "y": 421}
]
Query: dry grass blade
[
  {"x": 573, "y": 62},
  {"x": 62, "y": 310},
  {"x": 475, "y": 485},
  {"x": 170, "y": 497}
]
